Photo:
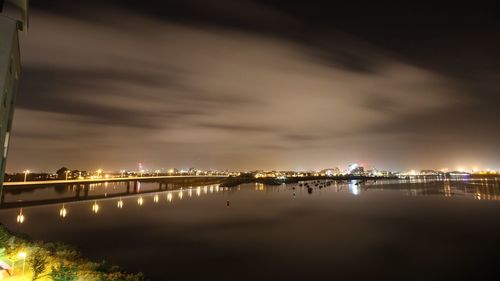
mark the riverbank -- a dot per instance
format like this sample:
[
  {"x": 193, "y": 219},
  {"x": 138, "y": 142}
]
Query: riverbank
[
  {"x": 234, "y": 181},
  {"x": 24, "y": 259},
  {"x": 249, "y": 178}
]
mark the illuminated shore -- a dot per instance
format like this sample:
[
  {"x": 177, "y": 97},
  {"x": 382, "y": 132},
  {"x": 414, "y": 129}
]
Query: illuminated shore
[{"x": 23, "y": 259}]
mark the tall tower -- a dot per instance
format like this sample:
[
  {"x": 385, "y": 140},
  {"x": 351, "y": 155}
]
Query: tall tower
[{"x": 10, "y": 72}]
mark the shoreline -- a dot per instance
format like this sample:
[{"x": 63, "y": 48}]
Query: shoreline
[
  {"x": 22, "y": 258},
  {"x": 234, "y": 181}
]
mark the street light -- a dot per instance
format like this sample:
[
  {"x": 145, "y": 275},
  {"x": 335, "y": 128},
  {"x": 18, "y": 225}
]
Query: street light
[
  {"x": 67, "y": 172},
  {"x": 26, "y": 174},
  {"x": 23, "y": 256}
]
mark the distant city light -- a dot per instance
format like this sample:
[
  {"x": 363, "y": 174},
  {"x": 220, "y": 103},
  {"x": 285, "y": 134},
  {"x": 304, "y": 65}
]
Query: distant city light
[{"x": 26, "y": 174}]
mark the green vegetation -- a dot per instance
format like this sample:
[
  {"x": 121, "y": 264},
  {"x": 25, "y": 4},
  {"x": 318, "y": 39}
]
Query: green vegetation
[
  {"x": 51, "y": 261},
  {"x": 38, "y": 262}
]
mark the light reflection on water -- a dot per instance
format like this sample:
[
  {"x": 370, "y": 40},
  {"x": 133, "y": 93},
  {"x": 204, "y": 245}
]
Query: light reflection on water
[
  {"x": 294, "y": 227},
  {"x": 481, "y": 189}
]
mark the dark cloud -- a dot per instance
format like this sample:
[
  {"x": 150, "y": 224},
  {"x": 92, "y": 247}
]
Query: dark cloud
[
  {"x": 52, "y": 90},
  {"x": 380, "y": 103},
  {"x": 231, "y": 84}
]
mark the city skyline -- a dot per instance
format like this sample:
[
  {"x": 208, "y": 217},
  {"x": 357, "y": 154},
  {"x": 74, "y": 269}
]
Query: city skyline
[
  {"x": 249, "y": 85},
  {"x": 341, "y": 168}
]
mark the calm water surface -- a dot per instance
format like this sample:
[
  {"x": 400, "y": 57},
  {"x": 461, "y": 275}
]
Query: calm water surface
[{"x": 385, "y": 230}]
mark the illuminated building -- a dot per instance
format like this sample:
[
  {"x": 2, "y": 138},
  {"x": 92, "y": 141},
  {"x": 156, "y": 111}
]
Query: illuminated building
[
  {"x": 374, "y": 173},
  {"x": 330, "y": 172},
  {"x": 429, "y": 173},
  {"x": 356, "y": 170},
  {"x": 10, "y": 72}
]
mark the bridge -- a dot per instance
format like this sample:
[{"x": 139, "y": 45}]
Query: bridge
[
  {"x": 83, "y": 190},
  {"x": 10, "y": 185}
]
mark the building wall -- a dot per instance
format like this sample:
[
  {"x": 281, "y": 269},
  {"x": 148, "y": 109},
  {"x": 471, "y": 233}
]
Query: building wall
[{"x": 10, "y": 71}]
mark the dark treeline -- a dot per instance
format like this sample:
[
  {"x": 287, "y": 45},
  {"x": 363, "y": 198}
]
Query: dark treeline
[
  {"x": 60, "y": 174},
  {"x": 249, "y": 178}
]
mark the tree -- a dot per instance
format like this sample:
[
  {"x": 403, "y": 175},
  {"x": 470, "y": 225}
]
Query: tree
[
  {"x": 38, "y": 262},
  {"x": 63, "y": 273},
  {"x": 61, "y": 173}
]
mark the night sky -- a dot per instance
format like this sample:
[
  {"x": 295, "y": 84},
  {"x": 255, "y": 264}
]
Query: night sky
[{"x": 240, "y": 84}]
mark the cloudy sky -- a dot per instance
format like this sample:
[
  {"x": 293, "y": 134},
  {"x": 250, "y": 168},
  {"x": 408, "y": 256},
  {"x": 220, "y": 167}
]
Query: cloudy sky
[{"x": 240, "y": 84}]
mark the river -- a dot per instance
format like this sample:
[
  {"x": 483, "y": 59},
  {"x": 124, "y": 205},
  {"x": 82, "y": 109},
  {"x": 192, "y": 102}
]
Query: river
[{"x": 342, "y": 230}]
